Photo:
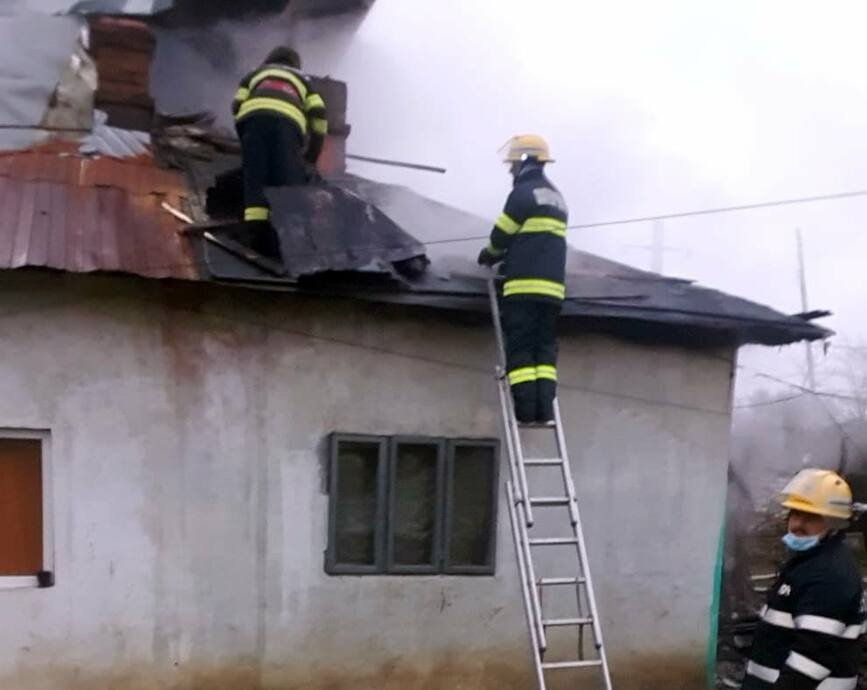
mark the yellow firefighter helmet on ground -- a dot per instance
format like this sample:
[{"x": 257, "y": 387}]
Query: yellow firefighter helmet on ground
[
  {"x": 525, "y": 146},
  {"x": 820, "y": 492}
]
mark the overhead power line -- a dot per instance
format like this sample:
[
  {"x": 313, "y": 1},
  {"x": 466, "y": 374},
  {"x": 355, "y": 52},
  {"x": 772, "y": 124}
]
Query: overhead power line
[
  {"x": 690, "y": 214},
  {"x": 725, "y": 209}
]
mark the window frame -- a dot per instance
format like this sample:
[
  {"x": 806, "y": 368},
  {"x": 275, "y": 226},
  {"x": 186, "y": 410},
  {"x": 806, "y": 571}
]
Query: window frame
[
  {"x": 384, "y": 564},
  {"x": 490, "y": 566},
  {"x": 438, "y": 556},
  {"x": 45, "y": 578},
  {"x": 332, "y": 566}
]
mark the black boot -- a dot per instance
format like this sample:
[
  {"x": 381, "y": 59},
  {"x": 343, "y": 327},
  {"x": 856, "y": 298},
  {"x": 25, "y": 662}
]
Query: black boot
[
  {"x": 266, "y": 242},
  {"x": 525, "y": 396},
  {"x": 546, "y": 392}
]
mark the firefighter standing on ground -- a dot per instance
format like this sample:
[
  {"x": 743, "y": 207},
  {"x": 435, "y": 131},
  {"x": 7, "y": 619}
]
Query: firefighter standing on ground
[
  {"x": 282, "y": 124},
  {"x": 530, "y": 238},
  {"x": 810, "y": 630}
]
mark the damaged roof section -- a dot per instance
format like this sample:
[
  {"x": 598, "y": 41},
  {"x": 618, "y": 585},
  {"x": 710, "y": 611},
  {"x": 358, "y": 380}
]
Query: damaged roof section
[
  {"x": 609, "y": 295},
  {"x": 106, "y": 194},
  {"x": 325, "y": 228}
]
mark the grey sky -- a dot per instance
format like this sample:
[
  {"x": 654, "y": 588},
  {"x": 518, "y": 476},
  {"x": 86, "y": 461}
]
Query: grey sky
[{"x": 650, "y": 108}]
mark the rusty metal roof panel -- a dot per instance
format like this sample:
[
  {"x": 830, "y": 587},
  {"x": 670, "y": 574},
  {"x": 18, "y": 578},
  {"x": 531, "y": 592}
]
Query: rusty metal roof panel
[{"x": 70, "y": 213}]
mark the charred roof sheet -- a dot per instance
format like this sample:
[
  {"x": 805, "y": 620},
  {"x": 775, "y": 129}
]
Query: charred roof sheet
[
  {"x": 610, "y": 295},
  {"x": 326, "y": 228}
]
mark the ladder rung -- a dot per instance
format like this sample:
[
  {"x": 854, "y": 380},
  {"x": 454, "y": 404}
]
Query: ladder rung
[
  {"x": 555, "y": 581},
  {"x": 564, "y": 622},
  {"x": 550, "y": 665},
  {"x": 553, "y": 541},
  {"x": 543, "y": 462},
  {"x": 550, "y": 501}
]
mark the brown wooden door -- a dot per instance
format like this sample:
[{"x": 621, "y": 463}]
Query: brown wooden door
[{"x": 20, "y": 506}]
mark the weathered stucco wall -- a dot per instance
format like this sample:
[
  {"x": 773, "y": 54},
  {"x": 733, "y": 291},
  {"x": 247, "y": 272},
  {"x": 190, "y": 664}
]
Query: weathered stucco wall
[{"x": 189, "y": 506}]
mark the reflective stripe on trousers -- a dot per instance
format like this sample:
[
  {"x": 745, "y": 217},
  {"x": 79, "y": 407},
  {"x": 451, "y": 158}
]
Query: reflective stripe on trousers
[
  {"x": 770, "y": 675},
  {"x": 257, "y": 213},
  {"x": 534, "y": 286},
  {"x": 522, "y": 375}
]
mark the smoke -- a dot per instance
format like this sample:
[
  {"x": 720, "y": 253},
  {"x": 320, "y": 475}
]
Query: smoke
[
  {"x": 205, "y": 49},
  {"x": 198, "y": 67},
  {"x": 770, "y": 443}
]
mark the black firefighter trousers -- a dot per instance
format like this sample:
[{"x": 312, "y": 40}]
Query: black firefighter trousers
[
  {"x": 530, "y": 330},
  {"x": 272, "y": 150}
]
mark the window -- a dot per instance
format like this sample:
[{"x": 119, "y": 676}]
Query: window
[
  {"x": 411, "y": 506},
  {"x": 23, "y": 541}
]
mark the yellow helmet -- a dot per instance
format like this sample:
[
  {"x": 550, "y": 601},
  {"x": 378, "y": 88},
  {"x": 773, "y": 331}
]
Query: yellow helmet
[
  {"x": 525, "y": 146},
  {"x": 820, "y": 492}
]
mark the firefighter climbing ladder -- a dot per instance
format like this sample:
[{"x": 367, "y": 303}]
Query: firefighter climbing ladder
[{"x": 540, "y": 621}]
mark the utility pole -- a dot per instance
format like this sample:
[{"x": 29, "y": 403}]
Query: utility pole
[
  {"x": 802, "y": 279},
  {"x": 657, "y": 247}
]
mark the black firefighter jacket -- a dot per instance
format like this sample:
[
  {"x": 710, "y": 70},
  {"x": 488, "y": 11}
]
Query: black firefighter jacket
[{"x": 810, "y": 631}]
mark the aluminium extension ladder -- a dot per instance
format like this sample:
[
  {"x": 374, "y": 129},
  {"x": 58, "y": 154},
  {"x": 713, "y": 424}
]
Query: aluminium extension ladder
[{"x": 540, "y": 621}]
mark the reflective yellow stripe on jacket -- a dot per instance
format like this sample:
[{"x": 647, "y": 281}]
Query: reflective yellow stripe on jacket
[
  {"x": 274, "y": 105},
  {"x": 319, "y": 126},
  {"x": 534, "y": 286},
  {"x": 507, "y": 225},
  {"x": 551, "y": 225}
]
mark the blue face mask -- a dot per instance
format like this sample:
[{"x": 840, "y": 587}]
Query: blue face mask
[{"x": 795, "y": 543}]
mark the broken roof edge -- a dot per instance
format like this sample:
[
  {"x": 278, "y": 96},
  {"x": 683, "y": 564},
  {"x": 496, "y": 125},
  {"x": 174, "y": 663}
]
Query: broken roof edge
[
  {"x": 690, "y": 330},
  {"x": 660, "y": 324}
]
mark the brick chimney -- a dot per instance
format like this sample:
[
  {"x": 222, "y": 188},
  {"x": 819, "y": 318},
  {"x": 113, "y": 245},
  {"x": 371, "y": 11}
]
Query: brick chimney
[
  {"x": 123, "y": 50},
  {"x": 333, "y": 158}
]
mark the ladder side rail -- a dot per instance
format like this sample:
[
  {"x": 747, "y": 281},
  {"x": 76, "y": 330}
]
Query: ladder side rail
[
  {"x": 533, "y": 621},
  {"x": 513, "y": 441},
  {"x": 531, "y": 577},
  {"x": 565, "y": 466},
  {"x": 498, "y": 328},
  {"x": 516, "y": 455},
  {"x": 582, "y": 548},
  {"x": 514, "y": 473}
]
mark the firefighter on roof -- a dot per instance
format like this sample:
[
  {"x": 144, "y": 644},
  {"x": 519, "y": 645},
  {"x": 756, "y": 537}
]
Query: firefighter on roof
[
  {"x": 529, "y": 237},
  {"x": 810, "y": 631},
  {"x": 282, "y": 124}
]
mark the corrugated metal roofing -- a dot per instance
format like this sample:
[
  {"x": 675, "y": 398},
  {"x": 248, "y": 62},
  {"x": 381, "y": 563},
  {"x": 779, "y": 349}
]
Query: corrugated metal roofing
[
  {"x": 115, "y": 142},
  {"x": 62, "y": 211}
]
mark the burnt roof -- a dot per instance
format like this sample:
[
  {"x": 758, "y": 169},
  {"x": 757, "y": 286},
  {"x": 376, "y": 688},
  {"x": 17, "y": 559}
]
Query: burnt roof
[
  {"x": 602, "y": 293},
  {"x": 100, "y": 208},
  {"x": 62, "y": 210}
]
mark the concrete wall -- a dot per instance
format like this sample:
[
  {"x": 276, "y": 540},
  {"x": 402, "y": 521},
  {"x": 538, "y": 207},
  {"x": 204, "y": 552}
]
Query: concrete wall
[{"x": 189, "y": 512}]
